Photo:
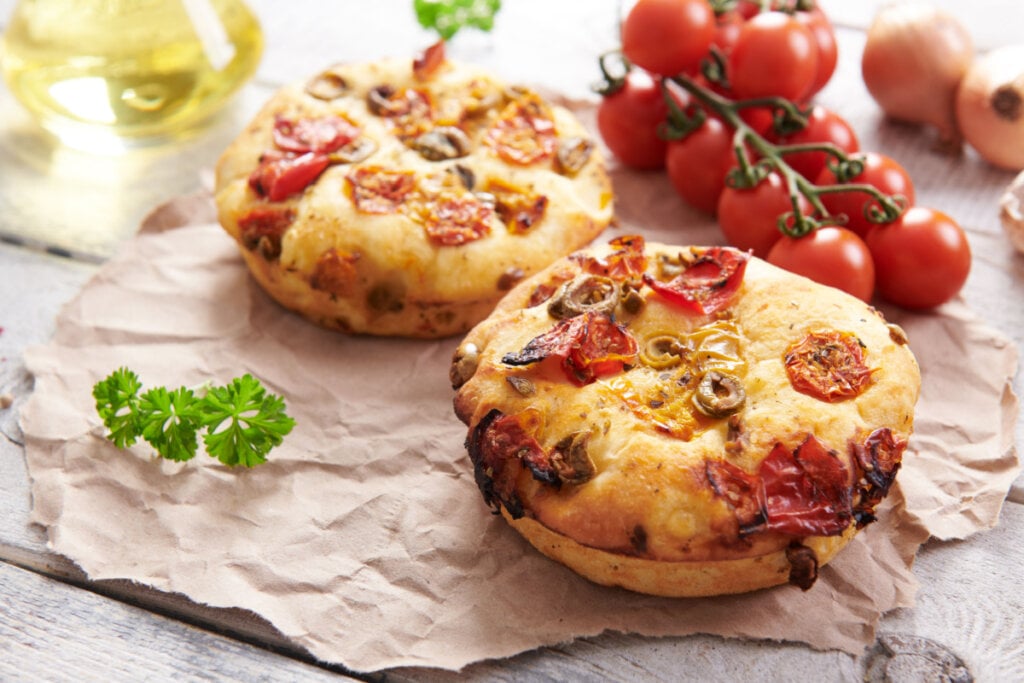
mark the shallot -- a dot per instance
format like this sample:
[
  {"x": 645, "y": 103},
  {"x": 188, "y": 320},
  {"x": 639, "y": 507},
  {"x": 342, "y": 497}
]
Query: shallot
[
  {"x": 990, "y": 107},
  {"x": 913, "y": 61}
]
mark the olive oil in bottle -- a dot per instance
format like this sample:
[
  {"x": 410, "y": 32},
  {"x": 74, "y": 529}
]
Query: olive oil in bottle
[{"x": 127, "y": 72}]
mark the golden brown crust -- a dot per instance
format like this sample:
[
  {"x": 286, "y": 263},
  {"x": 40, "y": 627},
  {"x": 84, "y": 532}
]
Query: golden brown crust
[
  {"x": 405, "y": 240},
  {"x": 667, "y": 462}
]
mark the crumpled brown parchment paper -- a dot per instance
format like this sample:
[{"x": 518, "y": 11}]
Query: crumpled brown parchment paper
[{"x": 364, "y": 539}]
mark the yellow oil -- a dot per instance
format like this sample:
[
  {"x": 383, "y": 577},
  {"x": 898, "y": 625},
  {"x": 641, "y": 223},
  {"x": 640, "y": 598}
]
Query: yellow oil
[{"x": 134, "y": 70}]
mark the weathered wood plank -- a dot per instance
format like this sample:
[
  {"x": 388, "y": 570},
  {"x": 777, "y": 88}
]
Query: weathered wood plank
[{"x": 50, "y": 631}]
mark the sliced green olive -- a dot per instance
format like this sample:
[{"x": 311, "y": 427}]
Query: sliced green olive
[
  {"x": 386, "y": 297},
  {"x": 588, "y": 293},
  {"x": 378, "y": 100},
  {"x": 359, "y": 149},
  {"x": 719, "y": 394},
  {"x": 443, "y": 142},
  {"x": 573, "y": 154},
  {"x": 466, "y": 176},
  {"x": 897, "y": 334},
  {"x": 464, "y": 364},
  {"x": 662, "y": 351},
  {"x": 632, "y": 300},
  {"x": 523, "y": 386},
  {"x": 327, "y": 86},
  {"x": 571, "y": 460}
]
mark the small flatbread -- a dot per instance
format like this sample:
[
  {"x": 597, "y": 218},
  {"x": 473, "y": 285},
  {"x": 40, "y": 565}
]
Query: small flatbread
[{"x": 684, "y": 421}]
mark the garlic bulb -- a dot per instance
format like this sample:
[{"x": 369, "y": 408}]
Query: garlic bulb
[
  {"x": 913, "y": 60},
  {"x": 990, "y": 107}
]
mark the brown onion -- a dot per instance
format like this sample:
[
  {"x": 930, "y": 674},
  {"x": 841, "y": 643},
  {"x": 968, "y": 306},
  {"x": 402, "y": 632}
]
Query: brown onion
[
  {"x": 990, "y": 107},
  {"x": 913, "y": 60}
]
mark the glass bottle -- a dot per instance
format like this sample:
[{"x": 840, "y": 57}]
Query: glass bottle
[{"x": 120, "y": 73}]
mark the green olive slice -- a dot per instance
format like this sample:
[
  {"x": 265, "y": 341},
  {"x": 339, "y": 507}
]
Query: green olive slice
[
  {"x": 588, "y": 293},
  {"x": 442, "y": 143},
  {"x": 662, "y": 351},
  {"x": 571, "y": 461},
  {"x": 573, "y": 154},
  {"x": 719, "y": 394}
]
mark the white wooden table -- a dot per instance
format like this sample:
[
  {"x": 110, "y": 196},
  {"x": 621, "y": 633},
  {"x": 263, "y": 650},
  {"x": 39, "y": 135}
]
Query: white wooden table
[{"x": 56, "y": 625}]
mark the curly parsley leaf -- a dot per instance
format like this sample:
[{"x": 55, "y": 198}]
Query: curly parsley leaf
[
  {"x": 447, "y": 17},
  {"x": 243, "y": 421},
  {"x": 117, "y": 398},
  {"x": 170, "y": 421}
]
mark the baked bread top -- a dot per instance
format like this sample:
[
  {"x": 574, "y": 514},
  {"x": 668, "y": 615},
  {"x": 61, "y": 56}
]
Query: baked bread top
[
  {"x": 684, "y": 405},
  {"x": 405, "y": 197}
]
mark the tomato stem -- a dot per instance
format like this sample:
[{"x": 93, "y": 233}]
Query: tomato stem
[{"x": 787, "y": 118}]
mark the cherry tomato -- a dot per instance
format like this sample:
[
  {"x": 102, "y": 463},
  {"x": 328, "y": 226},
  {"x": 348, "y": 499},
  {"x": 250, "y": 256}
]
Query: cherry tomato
[
  {"x": 831, "y": 256},
  {"x": 921, "y": 260},
  {"x": 881, "y": 172},
  {"x": 825, "y": 40},
  {"x": 667, "y": 37},
  {"x": 822, "y": 126},
  {"x": 727, "y": 30},
  {"x": 775, "y": 55},
  {"x": 748, "y": 8},
  {"x": 628, "y": 121},
  {"x": 697, "y": 164},
  {"x": 749, "y": 218}
]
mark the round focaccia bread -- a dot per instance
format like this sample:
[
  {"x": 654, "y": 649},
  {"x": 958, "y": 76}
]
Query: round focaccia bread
[
  {"x": 684, "y": 421},
  {"x": 405, "y": 197}
]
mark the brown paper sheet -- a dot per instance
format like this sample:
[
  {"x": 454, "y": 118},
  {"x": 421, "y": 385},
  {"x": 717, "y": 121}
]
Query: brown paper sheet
[{"x": 364, "y": 539}]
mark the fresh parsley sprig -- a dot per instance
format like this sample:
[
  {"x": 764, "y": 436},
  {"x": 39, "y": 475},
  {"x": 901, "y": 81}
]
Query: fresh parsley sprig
[
  {"x": 243, "y": 422},
  {"x": 447, "y": 17}
]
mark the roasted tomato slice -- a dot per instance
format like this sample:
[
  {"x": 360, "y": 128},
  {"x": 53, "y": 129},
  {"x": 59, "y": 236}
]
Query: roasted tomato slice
[
  {"x": 519, "y": 209},
  {"x": 409, "y": 110},
  {"x": 627, "y": 261},
  {"x": 429, "y": 61},
  {"x": 829, "y": 366},
  {"x": 335, "y": 272},
  {"x": 322, "y": 135},
  {"x": 589, "y": 346},
  {"x": 741, "y": 490},
  {"x": 280, "y": 176},
  {"x": 457, "y": 219},
  {"x": 499, "y": 446},
  {"x": 263, "y": 227},
  {"x": 524, "y": 132},
  {"x": 379, "y": 190},
  {"x": 879, "y": 458},
  {"x": 807, "y": 490},
  {"x": 707, "y": 283}
]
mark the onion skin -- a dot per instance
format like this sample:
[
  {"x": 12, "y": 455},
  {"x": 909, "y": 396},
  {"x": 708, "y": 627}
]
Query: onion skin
[
  {"x": 913, "y": 61},
  {"x": 990, "y": 107}
]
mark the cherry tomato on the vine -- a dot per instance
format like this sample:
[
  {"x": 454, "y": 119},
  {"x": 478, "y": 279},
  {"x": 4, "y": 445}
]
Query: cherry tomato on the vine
[
  {"x": 823, "y": 126},
  {"x": 727, "y": 30},
  {"x": 698, "y": 163},
  {"x": 667, "y": 37},
  {"x": 880, "y": 171},
  {"x": 749, "y": 218},
  {"x": 825, "y": 41},
  {"x": 831, "y": 256},
  {"x": 775, "y": 55},
  {"x": 921, "y": 260},
  {"x": 628, "y": 121}
]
